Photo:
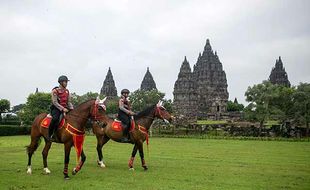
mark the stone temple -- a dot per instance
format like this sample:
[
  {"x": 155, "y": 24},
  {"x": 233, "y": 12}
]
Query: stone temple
[
  {"x": 148, "y": 82},
  {"x": 278, "y": 74},
  {"x": 202, "y": 93},
  {"x": 108, "y": 88}
]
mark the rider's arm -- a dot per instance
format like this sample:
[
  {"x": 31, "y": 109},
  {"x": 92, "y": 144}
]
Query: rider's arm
[
  {"x": 129, "y": 105},
  {"x": 122, "y": 107},
  {"x": 55, "y": 100},
  {"x": 70, "y": 105}
]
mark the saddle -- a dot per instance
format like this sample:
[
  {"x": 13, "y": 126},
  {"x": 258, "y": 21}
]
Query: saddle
[
  {"x": 45, "y": 123},
  {"x": 119, "y": 126}
]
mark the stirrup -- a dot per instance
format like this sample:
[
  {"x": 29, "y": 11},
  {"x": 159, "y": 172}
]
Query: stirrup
[
  {"x": 52, "y": 138},
  {"x": 125, "y": 140}
]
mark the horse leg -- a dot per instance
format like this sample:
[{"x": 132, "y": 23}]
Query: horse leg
[
  {"x": 80, "y": 165},
  {"x": 67, "y": 146},
  {"x": 35, "y": 142},
  {"x": 140, "y": 147},
  {"x": 131, "y": 160},
  {"x": 44, "y": 155},
  {"x": 100, "y": 142}
]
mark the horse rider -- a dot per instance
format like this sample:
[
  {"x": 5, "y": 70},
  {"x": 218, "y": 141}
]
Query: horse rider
[
  {"x": 124, "y": 112},
  {"x": 61, "y": 104}
]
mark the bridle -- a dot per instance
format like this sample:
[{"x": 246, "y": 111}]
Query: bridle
[
  {"x": 157, "y": 114},
  {"x": 94, "y": 115}
]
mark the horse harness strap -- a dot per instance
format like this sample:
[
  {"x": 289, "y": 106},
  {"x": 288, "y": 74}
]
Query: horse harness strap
[
  {"x": 73, "y": 131},
  {"x": 78, "y": 137},
  {"x": 145, "y": 132},
  {"x": 158, "y": 112}
]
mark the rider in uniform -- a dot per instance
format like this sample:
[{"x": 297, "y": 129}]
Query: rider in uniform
[
  {"x": 124, "y": 112},
  {"x": 61, "y": 103}
]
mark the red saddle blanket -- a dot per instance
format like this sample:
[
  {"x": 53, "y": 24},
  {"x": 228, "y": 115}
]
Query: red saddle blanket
[
  {"x": 118, "y": 126},
  {"x": 47, "y": 120}
]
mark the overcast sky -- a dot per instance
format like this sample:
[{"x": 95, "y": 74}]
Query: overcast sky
[{"x": 40, "y": 40}]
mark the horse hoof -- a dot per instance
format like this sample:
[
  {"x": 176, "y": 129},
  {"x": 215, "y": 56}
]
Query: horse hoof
[
  {"x": 145, "y": 168},
  {"x": 46, "y": 171},
  {"x": 131, "y": 169},
  {"x": 74, "y": 172},
  {"x": 66, "y": 177},
  {"x": 101, "y": 164},
  {"x": 29, "y": 170}
]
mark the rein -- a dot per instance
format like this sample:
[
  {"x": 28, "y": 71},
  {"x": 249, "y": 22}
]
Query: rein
[
  {"x": 94, "y": 115},
  {"x": 157, "y": 113}
]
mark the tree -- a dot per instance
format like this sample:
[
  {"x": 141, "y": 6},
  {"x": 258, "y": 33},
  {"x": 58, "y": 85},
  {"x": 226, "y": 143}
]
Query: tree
[
  {"x": 17, "y": 108},
  {"x": 4, "y": 106},
  {"x": 301, "y": 105},
  {"x": 168, "y": 105},
  {"x": 141, "y": 99},
  {"x": 77, "y": 100},
  {"x": 260, "y": 97},
  {"x": 36, "y": 103},
  {"x": 112, "y": 106},
  {"x": 282, "y": 102},
  {"x": 234, "y": 106}
]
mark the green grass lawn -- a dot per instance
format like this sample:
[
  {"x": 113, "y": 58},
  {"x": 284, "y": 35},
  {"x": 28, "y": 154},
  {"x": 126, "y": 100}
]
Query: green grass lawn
[{"x": 173, "y": 164}]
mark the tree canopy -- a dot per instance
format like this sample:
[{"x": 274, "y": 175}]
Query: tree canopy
[{"x": 36, "y": 103}]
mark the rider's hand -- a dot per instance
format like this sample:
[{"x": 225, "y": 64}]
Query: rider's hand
[
  {"x": 132, "y": 113},
  {"x": 65, "y": 110}
]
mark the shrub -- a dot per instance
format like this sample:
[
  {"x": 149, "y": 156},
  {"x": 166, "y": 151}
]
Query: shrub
[{"x": 7, "y": 130}]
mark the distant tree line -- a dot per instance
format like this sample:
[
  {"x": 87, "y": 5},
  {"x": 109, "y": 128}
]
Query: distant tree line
[{"x": 277, "y": 102}]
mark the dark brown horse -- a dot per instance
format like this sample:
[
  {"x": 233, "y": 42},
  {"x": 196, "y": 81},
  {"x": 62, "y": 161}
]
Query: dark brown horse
[
  {"x": 138, "y": 134},
  {"x": 74, "y": 126}
]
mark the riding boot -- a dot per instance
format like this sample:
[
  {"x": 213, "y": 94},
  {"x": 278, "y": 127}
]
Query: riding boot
[
  {"x": 126, "y": 136},
  {"x": 54, "y": 136},
  {"x": 50, "y": 133}
]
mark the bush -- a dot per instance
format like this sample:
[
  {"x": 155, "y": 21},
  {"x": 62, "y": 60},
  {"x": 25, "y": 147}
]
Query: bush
[
  {"x": 9, "y": 122},
  {"x": 7, "y": 130}
]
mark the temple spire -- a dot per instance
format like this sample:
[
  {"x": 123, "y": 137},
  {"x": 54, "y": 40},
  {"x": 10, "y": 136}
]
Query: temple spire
[
  {"x": 202, "y": 93},
  {"x": 185, "y": 67},
  {"x": 278, "y": 74},
  {"x": 108, "y": 88},
  {"x": 148, "y": 82},
  {"x": 208, "y": 47}
]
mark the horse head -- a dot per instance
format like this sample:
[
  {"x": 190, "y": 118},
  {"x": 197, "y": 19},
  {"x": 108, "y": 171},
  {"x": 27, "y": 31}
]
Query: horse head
[
  {"x": 162, "y": 113},
  {"x": 99, "y": 109},
  {"x": 101, "y": 103}
]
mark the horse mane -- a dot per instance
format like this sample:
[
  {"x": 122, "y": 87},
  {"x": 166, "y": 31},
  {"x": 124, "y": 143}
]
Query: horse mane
[
  {"x": 145, "y": 112},
  {"x": 83, "y": 103}
]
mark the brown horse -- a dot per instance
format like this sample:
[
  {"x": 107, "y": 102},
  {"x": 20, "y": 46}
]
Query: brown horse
[
  {"x": 73, "y": 127},
  {"x": 138, "y": 133}
]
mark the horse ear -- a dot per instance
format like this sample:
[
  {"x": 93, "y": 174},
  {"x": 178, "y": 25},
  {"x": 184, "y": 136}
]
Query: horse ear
[
  {"x": 97, "y": 100},
  {"x": 160, "y": 103},
  {"x": 103, "y": 100}
]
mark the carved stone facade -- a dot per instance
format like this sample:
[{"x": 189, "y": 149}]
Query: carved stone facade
[
  {"x": 148, "y": 82},
  {"x": 202, "y": 93},
  {"x": 185, "y": 97},
  {"x": 108, "y": 88},
  {"x": 278, "y": 74}
]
